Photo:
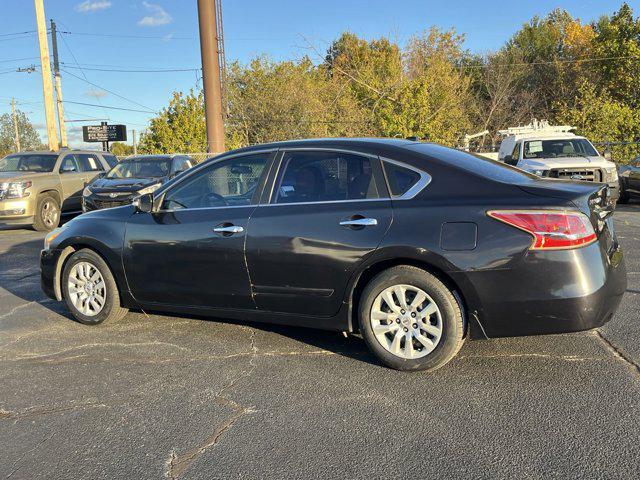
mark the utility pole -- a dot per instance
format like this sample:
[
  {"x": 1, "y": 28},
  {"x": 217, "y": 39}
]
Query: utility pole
[
  {"x": 135, "y": 145},
  {"x": 15, "y": 123},
  {"x": 209, "y": 51},
  {"x": 45, "y": 68},
  {"x": 58, "y": 85}
]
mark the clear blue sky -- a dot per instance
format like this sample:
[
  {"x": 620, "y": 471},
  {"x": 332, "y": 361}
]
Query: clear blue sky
[{"x": 278, "y": 28}]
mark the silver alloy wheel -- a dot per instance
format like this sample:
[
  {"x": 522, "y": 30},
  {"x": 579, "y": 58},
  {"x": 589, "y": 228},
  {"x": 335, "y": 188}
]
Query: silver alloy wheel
[
  {"x": 87, "y": 289},
  {"x": 50, "y": 213},
  {"x": 406, "y": 321}
]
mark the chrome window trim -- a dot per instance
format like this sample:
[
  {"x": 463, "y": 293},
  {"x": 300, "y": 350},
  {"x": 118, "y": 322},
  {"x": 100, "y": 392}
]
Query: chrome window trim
[
  {"x": 207, "y": 163},
  {"x": 423, "y": 181}
]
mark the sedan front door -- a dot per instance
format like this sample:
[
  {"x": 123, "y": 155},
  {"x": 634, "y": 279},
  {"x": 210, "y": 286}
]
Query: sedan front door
[
  {"x": 190, "y": 252},
  {"x": 328, "y": 212}
]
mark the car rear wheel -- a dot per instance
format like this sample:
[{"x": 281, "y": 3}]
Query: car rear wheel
[
  {"x": 90, "y": 290},
  {"x": 410, "y": 320},
  {"x": 47, "y": 216}
]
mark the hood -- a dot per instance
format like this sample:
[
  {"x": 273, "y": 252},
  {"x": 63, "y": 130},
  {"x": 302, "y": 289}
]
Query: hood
[
  {"x": 17, "y": 176},
  {"x": 105, "y": 185},
  {"x": 567, "y": 162}
]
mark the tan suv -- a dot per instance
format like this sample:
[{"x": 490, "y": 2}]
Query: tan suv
[{"x": 37, "y": 187}]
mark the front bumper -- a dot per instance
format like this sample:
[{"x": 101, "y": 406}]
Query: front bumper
[
  {"x": 98, "y": 202},
  {"x": 16, "y": 212},
  {"x": 48, "y": 265},
  {"x": 550, "y": 292}
]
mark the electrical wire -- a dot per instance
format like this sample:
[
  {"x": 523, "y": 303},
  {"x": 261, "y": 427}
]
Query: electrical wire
[
  {"x": 110, "y": 91},
  {"x": 111, "y": 35},
  {"x": 106, "y": 106},
  {"x": 159, "y": 70}
]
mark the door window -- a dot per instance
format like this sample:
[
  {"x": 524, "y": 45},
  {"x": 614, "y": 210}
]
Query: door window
[
  {"x": 325, "y": 177},
  {"x": 70, "y": 164},
  {"x": 230, "y": 182},
  {"x": 89, "y": 163}
]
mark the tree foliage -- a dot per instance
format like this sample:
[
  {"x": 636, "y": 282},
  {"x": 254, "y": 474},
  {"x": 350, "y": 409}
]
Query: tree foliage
[
  {"x": 29, "y": 138},
  {"x": 554, "y": 67}
]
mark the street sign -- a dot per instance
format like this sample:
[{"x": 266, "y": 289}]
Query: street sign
[{"x": 104, "y": 133}]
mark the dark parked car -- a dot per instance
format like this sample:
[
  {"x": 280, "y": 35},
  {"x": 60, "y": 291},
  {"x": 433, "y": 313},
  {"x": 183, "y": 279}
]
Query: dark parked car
[
  {"x": 629, "y": 176},
  {"x": 131, "y": 177},
  {"x": 413, "y": 245}
]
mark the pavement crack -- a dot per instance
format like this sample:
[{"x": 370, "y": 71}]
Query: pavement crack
[
  {"x": 45, "y": 410},
  {"x": 105, "y": 344},
  {"x": 618, "y": 353},
  {"x": 568, "y": 358},
  {"x": 16, "y": 465},
  {"x": 177, "y": 464}
]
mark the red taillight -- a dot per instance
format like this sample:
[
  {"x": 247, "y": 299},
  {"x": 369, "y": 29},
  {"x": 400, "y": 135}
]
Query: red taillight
[{"x": 550, "y": 229}]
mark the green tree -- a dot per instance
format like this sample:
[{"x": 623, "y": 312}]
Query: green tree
[
  {"x": 617, "y": 41},
  {"x": 602, "y": 118},
  {"x": 121, "y": 149},
  {"x": 29, "y": 138},
  {"x": 178, "y": 128}
]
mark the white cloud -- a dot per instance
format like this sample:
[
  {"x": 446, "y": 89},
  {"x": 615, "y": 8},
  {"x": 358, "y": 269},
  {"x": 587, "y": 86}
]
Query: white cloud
[
  {"x": 158, "y": 16},
  {"x": 95, "y": 93},
  {"x": 89, "y": 6}
]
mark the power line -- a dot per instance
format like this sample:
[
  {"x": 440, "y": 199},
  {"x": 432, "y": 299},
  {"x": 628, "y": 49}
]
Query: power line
[
  {"x": 110, "y": 35},
  {"x": 107, "y": 106},
  {"x": 8, "y": 60},
  {"x": 110, "y": 91},
  {"x": 16, "y": 33},
  {"x": 158, "y": 70}
]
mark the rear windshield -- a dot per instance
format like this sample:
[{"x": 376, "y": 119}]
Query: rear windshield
[
  {"x": 482, "y": 166},
  {"x": 141, "y": 168},
  {"x": 28, "y": 163}
]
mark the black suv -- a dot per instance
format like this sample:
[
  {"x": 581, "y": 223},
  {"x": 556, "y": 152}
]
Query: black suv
[{"x": 131, "y": 177}]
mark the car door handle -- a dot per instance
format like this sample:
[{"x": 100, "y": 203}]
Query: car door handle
[
  {"x": 229, "y": 229},
  {"x": 359, "y": 222}
]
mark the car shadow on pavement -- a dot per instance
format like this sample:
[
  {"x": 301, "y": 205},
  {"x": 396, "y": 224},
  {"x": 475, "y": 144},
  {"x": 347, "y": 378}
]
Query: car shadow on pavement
[{"x": 20, "y": 276}]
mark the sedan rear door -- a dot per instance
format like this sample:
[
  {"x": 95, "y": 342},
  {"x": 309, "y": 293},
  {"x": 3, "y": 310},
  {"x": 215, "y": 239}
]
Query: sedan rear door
[{"x": 327, "y": 212}]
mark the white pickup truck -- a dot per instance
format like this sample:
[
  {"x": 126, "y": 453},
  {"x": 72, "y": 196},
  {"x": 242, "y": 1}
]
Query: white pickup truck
[{"x": 556, "y": 152}]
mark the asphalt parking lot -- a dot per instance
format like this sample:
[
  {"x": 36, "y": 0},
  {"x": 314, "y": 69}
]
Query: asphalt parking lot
[{"x": 176, "y": 397}]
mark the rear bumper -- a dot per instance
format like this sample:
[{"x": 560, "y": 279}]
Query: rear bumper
[{"x": 550, "y": 292}]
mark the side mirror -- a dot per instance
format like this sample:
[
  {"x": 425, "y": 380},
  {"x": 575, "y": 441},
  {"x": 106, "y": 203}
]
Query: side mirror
[
  {"x": 68, "y": 169},
  {"x": 144, "y": 203},
  {"x": 607, "y": 154}
]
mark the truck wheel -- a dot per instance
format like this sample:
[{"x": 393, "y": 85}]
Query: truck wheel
[
  {"x": 47, "y": 215},
  {"x": 410, "y": 320},
  {"x": 89, "y": 289}
]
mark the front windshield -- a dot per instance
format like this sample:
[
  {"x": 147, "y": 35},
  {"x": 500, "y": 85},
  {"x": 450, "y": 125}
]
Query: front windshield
[
  {"x": 28, "y": 163},
  {"x": 141, "y": 168},
  {"x": 570, "y": 147}
]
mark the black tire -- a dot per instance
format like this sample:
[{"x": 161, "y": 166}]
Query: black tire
[
  {"x": 47, "y": 214},
  {"x": 111, "y": 311},
  {"x": 453, "y": 323}
]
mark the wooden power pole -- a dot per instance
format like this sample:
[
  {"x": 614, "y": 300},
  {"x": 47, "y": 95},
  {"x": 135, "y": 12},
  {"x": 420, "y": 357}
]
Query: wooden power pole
[
  {"x": 15, "y": 123},
  {"x": 58, "y": 85},
  {"x": 45, "y": 67},
  {"x": 211, "y": 79},
  {"x": 135, "y": 144}
]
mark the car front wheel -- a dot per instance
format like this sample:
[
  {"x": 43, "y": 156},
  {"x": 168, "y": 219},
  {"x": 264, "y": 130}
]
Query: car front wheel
[
  {"x": 410, "y": 320},
  {"x": 47, "y": 215},
  {"x": 90, "y": 290}
]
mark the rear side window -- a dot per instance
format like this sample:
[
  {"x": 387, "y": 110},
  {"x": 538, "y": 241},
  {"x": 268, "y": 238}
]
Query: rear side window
[
  {"x": 70, "y": 164},
  {"x": 111, "y": 160},
  {"x": 325, "y": 177},
  {"x": 401, "y": 179},
  {"x": 89, "y": 163}
]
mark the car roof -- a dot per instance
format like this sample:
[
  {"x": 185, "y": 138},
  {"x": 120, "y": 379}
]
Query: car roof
[
  {"x": 158, "y": 156},
  {"x": 365, "y": 145},
  {"x": 65, "y": 150}
]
